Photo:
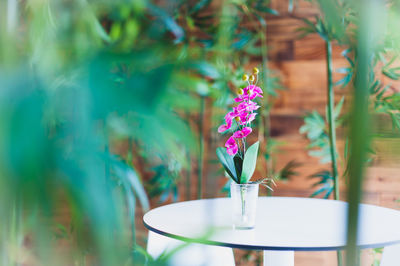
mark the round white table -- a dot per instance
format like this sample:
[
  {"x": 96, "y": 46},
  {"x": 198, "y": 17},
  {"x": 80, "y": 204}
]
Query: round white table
[{"x": 283, "y": 225}]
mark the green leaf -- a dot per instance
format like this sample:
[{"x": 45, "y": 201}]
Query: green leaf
[
  {"x": 226, "y": 187},
  {"x": 290, "y": 6},
  {"x": 261, "y": 20},
  {"x": 204, "y": 68},
  {"x": 238, "y": 164},
  {"x": 249, "y": 163},
  {"x": 289, "y": 170},
  {"x": 345, "y": 54},
  {"x": 395, "y": 121},
  {"x": 243, "y": 39},
  {"x": 338, "y": 108},
  {"x": 319, "y": 191},
  {"x": 253, "y": 47},
  {"x": 168, "y": 22},
  {"x": 391, "y": 74},
  {"x": 268, "y": 10},
  {"x": 131, "y": 201},
  {"x": 129, "y": 174},
  {"x": 99, "y": 29},
  {"x": 314, "y": 126},
  {"x": 345, "y": 80},
  {"x": 328, "y": 193},
  {"x": 344, "y": 70},
  {"x": 326, "y": 180},
  {"x": 199, "y": 6},
  {"x": 309, "y": 23},
  {"x": 382, "y": 92},
  {"x": 228, "y": 163},
  {"x": 321, "y": 29},
  {"x": 375, "y": 87}
]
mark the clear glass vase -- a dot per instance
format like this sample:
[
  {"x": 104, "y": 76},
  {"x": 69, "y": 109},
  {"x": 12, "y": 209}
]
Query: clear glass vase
[{"x": 244, "y": 205}]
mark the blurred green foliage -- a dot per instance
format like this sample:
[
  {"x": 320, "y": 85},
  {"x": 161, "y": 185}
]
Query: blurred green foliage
[
  {"x": 79, "y": 76},
  {"x": 365, "y": 29},
  {"x": 339, "y": 24},
  {"x": 75, "y": 75}
]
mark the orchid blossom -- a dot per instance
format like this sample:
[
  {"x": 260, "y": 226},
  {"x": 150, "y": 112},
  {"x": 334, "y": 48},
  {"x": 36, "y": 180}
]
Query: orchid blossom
[{"x": 242, "y": 114}]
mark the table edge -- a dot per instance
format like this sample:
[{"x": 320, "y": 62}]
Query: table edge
[{"x": 253, "y": 247}]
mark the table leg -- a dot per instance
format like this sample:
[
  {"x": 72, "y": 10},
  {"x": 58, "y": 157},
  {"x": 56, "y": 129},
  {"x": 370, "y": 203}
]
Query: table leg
[
  {"x": 193, "y": 254},
  {"x": 278, "y": 258}
]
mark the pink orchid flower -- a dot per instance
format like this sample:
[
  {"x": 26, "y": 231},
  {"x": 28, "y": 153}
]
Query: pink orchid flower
[
  {"x": 224, "y": 127},
  {"x": 228, "y": 121},
  {"x": 253, "y": 91},
  {"x": 247, "y": 107},
  {"x": 242, "y": 97},
  {"x": 249, "y": 93},
  {"x": 231, "y": 146},
  {"x": 243, "y": 114},
  {"x": 242, "y": 133},
  {"x": 247, "y": 118}
]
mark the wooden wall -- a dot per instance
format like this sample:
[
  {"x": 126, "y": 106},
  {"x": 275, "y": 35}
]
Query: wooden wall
[{"x": 302, "y": 67}]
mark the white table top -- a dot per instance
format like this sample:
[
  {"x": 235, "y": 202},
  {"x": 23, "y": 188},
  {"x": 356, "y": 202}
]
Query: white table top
[{"x": 282, "y": 223}]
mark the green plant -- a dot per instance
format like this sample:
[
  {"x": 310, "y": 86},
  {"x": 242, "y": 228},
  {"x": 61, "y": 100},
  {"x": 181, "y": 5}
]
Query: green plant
[
  {"x": 376, "y": 253},
  {"x": 320, "y": 131},
  {"x": 83, "y": 72},
  {"x": 96, "y": 74},
  {"x": 359, "y": 26},
  {"x": 333, "y": 26},
  {"x": 164, "y": 183}
]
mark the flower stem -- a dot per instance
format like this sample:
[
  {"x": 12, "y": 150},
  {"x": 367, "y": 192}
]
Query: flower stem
[
  {"x": 331, "y": 120},
  {"x": 243, "y": 200},
  {"x": 189, "y": 165},
  {"x": 201, "y": 153},
  {"x": 332, "y": 129},
  {"x": 188, "y": 175}
]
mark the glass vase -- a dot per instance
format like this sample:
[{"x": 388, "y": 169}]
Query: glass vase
[{"x": 244, "y": 205}]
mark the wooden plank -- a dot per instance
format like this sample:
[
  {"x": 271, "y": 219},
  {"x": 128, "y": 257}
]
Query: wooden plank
[
  {"x": 306, "y": 85},
  {"x": 382, "y": 179},
  {"x": 312, "y": 47}
]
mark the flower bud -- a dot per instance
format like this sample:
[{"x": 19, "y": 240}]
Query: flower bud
[
  {"x": 252, "y": 78},
  {"x": 245, "y": 77},
  {"x": 256, "y": 71},
  {"x": 240, "y": 91}
]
